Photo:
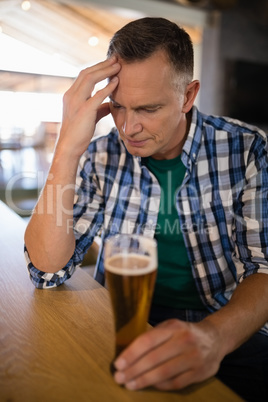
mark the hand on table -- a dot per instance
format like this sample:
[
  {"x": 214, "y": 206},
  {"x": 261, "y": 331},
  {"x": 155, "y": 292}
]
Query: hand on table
[{"x": 170, "y": 356}]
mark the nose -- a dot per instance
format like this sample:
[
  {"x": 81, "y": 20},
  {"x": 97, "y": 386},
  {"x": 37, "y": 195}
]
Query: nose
[{"x": 131, "y": 124}]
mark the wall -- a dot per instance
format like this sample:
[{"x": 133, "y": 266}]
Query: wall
[{"x": 240, "y": 35}]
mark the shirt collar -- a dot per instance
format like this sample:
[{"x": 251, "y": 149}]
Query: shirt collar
[{"x": 193, "y": 142}]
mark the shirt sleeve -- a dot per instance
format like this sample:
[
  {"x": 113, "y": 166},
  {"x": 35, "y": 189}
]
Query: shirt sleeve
[
  {"x": 88, "y": 220},
  {"x": 45, "y": 280},
  {"x": 251, "y": 213}
]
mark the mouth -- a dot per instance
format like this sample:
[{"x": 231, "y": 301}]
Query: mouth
[{"x": 137, "y": 144}]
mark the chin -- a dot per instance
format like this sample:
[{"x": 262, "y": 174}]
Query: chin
[{"x": 142, "y": 153}]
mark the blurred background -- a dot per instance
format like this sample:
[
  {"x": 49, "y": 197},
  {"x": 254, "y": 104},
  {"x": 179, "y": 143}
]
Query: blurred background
[{"x": 45, "y": 43}]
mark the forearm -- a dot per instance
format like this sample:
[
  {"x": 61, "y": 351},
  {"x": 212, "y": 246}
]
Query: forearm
[
  {"x": 49, "y": 236},
  {"x": 244, "y": 315}
]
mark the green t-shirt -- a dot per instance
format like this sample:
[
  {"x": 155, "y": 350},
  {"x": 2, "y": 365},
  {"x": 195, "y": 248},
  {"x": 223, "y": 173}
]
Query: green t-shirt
[{"x": 175, "y": 286}]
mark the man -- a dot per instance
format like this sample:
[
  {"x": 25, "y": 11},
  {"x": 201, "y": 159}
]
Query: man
[{"x": 197, "y": 183}]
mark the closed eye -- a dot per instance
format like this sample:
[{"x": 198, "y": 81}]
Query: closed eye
[
  {"x": 115, "y": 105},
  {"x": 150, "y": 110}
]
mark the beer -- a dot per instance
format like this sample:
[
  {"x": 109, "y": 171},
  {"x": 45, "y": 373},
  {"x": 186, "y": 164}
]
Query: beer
[{"x": 130, "y": 278}]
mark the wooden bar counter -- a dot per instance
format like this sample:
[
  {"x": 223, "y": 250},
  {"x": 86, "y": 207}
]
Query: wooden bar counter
[{"x": 57, "y": 344}]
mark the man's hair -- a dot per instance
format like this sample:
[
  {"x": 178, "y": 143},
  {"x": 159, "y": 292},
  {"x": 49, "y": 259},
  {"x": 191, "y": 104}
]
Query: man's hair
[{"x": 139, "y": 39}]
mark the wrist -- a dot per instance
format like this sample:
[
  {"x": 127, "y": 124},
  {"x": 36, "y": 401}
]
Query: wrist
[
  {"x": 63, "y": 169},
  {"x": 216, "y": 335},
  {"x": 66, "y": 151}
]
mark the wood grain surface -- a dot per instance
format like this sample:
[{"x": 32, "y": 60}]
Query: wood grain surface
[{"x": 57, "y": 344}]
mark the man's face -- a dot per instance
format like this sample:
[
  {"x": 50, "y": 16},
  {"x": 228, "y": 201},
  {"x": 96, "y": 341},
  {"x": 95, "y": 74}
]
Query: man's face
[{"x": 147, "y": 108}]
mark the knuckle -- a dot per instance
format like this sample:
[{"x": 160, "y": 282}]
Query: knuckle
[
  {"x": 142, "y": 382},
  {"x": 86, "y": 76},
  {"x": 173, "y": 383},
  {"x": 180, "y": 382},
  {"x": 148, "y": 341},
  {"x": 83, "y": 72},
  {"x": 165, "y": 371},
  {"x": 190, "y": 338},
  {"x": 66, "y": 96},
  {"x": 173, "y": 322}
]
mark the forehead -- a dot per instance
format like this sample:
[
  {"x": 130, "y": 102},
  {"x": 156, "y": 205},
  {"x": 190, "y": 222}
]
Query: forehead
[{"x": 142, "y": 81}]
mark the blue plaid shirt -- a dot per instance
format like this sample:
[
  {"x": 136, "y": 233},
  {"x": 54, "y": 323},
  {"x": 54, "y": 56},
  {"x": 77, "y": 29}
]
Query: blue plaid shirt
[{"x": 222, "y": 204}]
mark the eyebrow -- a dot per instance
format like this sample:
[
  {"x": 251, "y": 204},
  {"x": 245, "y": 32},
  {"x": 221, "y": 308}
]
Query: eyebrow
[{"x": 146, "y": 106}]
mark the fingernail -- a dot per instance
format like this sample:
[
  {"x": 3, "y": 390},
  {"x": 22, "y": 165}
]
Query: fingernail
[
  {"x": 120, "y": 364},
  {"x": 131, "y": 385},
  {"x": 119, "y": 378},
  {"x": 114, "y": 79}
]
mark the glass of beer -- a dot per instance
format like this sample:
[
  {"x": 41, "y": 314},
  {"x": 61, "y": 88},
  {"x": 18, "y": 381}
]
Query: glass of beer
[{"x": 130, "y": 269}]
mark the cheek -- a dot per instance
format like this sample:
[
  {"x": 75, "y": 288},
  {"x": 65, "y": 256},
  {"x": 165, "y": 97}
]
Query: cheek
[
  {"x": 159, "y": 127},
  {"x": 163, "y": 129}
]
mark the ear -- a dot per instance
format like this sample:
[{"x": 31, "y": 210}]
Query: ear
[{"x": 190, "y": 94}]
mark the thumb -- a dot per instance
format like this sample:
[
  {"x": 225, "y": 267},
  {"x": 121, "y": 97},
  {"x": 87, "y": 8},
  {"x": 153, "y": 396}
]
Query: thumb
[{"x": 103, "y": 111}]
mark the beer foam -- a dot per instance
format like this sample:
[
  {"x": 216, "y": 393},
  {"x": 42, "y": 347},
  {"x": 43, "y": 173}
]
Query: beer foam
[{"x": 130, "y": 264}]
